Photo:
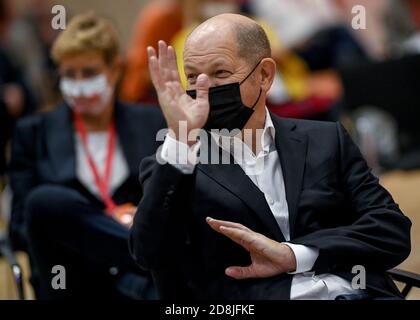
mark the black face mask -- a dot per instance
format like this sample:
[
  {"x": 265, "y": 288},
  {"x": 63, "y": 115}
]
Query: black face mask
[{"x": 226, "y": 108}]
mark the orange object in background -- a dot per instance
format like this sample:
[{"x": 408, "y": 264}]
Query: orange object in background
[
  {"x": 159, "y": 20},
  {"x": 124, "y": 213}
]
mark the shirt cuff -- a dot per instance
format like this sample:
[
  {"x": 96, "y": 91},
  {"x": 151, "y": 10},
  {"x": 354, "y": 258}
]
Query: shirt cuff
[
  {"x": 180, "y": 155},
  {"x": 305, "y": 257}
]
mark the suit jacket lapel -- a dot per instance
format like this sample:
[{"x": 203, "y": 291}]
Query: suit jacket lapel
[
  {"x": 291, "y": 147},
  {"x": 234, "y": 179},
  {"x": 60, "y": 143}
]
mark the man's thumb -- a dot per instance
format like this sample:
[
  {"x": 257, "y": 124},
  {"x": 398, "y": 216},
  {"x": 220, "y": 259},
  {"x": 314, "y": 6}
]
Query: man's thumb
[{"x": 203, "y": 84}]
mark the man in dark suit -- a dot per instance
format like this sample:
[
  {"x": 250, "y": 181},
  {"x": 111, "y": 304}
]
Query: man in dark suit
[{"x": 286, "y": 214}]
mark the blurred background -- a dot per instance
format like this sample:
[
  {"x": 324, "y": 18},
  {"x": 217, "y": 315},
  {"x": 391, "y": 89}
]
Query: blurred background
[{"x": 336, "y": 62}]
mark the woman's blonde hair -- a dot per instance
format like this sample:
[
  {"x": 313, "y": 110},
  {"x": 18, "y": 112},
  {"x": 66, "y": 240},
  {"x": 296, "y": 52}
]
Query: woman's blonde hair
[{"x": 87, "y": 32}]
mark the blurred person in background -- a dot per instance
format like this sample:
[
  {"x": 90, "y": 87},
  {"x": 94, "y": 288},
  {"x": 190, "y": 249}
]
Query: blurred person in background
[
  {"x": 314, "y": 29},
  {"x": 16, "y": 100},
  {"x": 74, "y": 172},
  {"x": 314, "y": 32},
  {"x": 402, "y": 23},
  {"x": 392, "y": 27},
  {"x": 373, "y": 36},
  {"x": 30, "y": 39},
  {"x": 368, "y": 91},
  {"x": 159, "y": 19}
]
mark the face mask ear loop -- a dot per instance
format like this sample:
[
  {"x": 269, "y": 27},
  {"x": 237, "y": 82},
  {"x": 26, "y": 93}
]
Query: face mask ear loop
[
  {"x": 258, "y": 99},
  {"x": 249, "y": 74},
  {"x": 246, "y": 78}
]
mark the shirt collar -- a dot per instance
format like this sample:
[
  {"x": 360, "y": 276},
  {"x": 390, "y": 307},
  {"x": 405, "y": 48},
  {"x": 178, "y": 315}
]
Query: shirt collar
[
  {"x": 269, "y": 132},
  {"x": 267, "y": 138}
]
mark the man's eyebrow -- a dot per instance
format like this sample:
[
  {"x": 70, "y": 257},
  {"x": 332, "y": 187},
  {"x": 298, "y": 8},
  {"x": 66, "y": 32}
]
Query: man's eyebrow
[
  {"x": 190, "y": 67},
  {"x": 213, "y": 64},
  {"x": 219, "y": 63}
]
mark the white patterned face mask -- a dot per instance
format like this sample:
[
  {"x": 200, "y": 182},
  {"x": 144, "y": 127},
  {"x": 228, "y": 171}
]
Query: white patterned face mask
[{"x": 88, "y": 96}]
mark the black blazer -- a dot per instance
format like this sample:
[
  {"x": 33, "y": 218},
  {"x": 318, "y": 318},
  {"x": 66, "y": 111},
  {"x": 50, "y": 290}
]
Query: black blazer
[
  {"x": 335, "y": 205},
  {"x": 43, "y": 152}
]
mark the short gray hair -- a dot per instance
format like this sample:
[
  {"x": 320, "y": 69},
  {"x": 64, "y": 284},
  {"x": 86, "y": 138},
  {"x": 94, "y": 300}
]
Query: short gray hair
[{"x": 253, "y": 43}]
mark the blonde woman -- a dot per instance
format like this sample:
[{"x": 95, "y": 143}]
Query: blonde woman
[{"x": 74, "y": 171}]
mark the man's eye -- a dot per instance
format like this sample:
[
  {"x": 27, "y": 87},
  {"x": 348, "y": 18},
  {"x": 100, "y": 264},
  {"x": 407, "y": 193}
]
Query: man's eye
[
  {"x": 191, "y": 78},
  {"x": 222, "y": 73}
]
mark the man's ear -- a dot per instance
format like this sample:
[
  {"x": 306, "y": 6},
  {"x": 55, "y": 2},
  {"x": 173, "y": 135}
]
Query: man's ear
[{"x": 267, "y": 74}]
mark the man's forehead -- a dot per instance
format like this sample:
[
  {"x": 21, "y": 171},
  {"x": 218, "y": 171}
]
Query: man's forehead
[
  {"x": 211, "y": 57},
  {"x": 209, "y": 35},
  {"x": 217, "y": 46}
]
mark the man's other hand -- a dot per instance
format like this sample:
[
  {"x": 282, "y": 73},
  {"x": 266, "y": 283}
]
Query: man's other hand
[{"x": 269, "y": 257}]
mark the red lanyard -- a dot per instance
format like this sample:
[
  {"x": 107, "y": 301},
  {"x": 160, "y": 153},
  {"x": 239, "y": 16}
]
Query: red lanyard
[{"x": 101, "y": 182}]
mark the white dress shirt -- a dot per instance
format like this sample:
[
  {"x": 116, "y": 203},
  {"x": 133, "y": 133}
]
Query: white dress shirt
[
  {"x": 305, "y": 284},
  {"x": 97, "y": 143}
]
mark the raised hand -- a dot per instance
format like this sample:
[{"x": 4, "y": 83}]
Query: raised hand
[
  {"x": 176, "y": 105},
  {"x": 269, "y": 257}
]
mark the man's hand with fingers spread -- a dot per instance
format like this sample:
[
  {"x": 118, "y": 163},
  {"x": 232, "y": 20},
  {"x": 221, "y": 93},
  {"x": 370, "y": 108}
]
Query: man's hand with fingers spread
[
  {"x": 175, "y": 103},
  {"x": 269, "y": 257}
]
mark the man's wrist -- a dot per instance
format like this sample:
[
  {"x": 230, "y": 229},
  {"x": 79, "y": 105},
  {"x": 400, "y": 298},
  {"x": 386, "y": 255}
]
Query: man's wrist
[
  {"x": 185, "y": 137},
  {"x": 290, "y": 258},
  {"x": 179, "y": 154},
  {"x": 305, "y": 257}
]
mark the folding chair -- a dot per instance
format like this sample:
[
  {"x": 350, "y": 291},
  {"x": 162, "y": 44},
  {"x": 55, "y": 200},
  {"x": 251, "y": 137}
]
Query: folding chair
[
  {"x": 6, "y": 249},
  {"x": 410, "y": 279}
]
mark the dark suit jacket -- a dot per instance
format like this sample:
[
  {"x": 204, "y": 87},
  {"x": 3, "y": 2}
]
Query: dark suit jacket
[
  {"x": 335, "y": 205},
  {"x": 43, "y": 152}
]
